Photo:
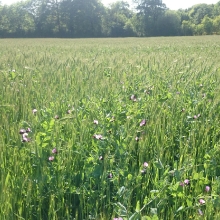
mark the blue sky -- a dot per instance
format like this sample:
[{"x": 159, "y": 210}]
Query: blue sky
[{"x": 172, "y": 4}]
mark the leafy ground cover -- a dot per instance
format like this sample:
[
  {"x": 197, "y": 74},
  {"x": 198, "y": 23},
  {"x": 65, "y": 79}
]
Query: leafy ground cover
[{"x": 110, "y": 128}]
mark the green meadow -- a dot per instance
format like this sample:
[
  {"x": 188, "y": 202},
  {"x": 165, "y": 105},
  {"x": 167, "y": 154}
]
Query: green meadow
[{"x": 110, "y": 128}]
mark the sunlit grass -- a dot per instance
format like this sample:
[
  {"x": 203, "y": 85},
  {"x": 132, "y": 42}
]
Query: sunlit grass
[{"x": 98, "y": 171}]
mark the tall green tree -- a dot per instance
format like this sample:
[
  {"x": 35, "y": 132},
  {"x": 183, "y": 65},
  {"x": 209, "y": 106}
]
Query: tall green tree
[
  {"x": 15, "y": 21},
  {"x": 53, "y": 16},
  {"x": 82, "y": 18},
  {"x": 169, "y": 24},
  {"x": 198, "y": 12},
  {"x": 149, "y": 12},
  {"x": 187, "y": 28},
  {"x": 90, "y": 18},
  {"x": 207, "y": 25},
  {"x": 216, "y": 25},
  {"x": 40, "y": 10},
  {"x": 216, "y": 9},
  {"x": 116, "y": 22}
]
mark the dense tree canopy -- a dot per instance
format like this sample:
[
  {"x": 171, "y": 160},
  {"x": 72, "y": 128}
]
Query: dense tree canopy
[{"x": 90, "y": 18}]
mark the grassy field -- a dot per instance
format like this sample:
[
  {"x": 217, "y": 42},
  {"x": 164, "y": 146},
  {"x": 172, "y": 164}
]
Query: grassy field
[{"x": 110, "y": 128}]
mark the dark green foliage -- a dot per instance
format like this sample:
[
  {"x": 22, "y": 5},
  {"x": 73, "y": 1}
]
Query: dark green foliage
[{"x": 90, "y": 18}]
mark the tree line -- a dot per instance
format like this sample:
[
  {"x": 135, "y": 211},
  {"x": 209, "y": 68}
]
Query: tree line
[{"x": 90, "y": 18}]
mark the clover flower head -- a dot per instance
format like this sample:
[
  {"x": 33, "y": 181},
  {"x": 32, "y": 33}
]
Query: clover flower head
[
  {"x": 28, "y": 130},
  {"x": 22, "y": 131},
  {"x": 200, "y": 212},
  {"x": 54, "y": 151},
  {"x": 51, "y": 158},
  {"x": 95, "y": 122},
  {"x": 34, "y": 111},
  {"x": 133, "y": 98},
  {"x": 181, "y": 184},
  {"x": 98, "y": 136},
  {"x": 143, "y": 123},
  {"x": 186, "y": 182},
  {"x": 110, "y": 175},
  {"x": 56, "y": 117},
  {"x": 201, "y": 201},
  {"x": 207, "y": 188},
  {"x": 145, "y": 164}
]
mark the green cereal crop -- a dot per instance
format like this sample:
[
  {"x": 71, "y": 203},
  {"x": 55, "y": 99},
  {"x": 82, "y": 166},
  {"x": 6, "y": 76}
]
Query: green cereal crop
[{"x": 110, "y": 128}]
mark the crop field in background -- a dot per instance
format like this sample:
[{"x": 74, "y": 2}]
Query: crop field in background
[{"x": 110, "y": 128}]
